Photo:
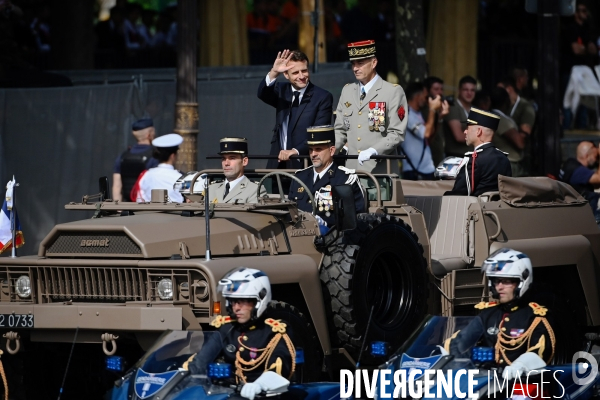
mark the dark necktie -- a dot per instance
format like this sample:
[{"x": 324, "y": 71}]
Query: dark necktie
[
  {"x": 362, "y": 93},
  {"x": 295, "y": 103},
  {"x": 226, "y": 191}
]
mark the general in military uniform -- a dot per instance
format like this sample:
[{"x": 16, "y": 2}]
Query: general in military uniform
[
  {"x": 371, "y": 115},
  {"x": 249, "y": 340},
  {"x": 479, "y": 170},
  {"x": 322, "y": 176},
  {"x": 519, "y": 330},
  {"x": 236, "y": 188}
]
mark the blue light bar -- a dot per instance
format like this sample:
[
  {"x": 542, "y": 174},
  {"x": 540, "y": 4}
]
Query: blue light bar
[
  {"x": 219, "y": 370},
  {"x": 482, "y": 354},
  {"x": 379, "y": 349},
  {"x": 115, "y": 363},
  {"x": 299, "y": 356}
]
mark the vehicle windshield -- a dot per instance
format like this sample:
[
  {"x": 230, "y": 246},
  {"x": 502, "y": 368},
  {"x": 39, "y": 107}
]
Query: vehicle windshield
[
  {"x": 433, "y": 331},
  {"x": 173, "y": 348}
]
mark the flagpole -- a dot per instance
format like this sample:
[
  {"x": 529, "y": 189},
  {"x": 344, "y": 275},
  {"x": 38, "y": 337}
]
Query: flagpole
[{"x": 13, "y": 221}]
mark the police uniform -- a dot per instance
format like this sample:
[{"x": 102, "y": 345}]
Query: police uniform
[
  {"x": 479, "y": 170},
  {"x": 252, "y": 348},
  {"x": 321, "y": 188},
  {"x": 164, "y": 175},
  {"x": 377, "y": 121},
  {"x": 244, "y": 190},
  {"x": 136, "y": 159},
  {"x": 511, "y": 329}
]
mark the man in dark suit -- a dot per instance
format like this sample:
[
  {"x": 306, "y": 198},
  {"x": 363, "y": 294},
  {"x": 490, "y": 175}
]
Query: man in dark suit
[
  {"x": 299, "y": 104},
  {"x": 479, "y": 170},
  {"x": 321, "y": 176}
]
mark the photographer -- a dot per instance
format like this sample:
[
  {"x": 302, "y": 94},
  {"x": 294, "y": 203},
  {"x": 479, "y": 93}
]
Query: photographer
[
  {"x": 419, "y": 164},
  {"x": 435, "y": 87}
]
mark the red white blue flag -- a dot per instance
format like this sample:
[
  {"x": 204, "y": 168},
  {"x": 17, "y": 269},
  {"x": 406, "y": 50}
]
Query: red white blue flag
[{"x": 6, "y": 221}]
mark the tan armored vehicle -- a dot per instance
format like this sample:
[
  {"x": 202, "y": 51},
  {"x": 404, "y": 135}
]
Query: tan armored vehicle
[{"x": 134, "y": 270}]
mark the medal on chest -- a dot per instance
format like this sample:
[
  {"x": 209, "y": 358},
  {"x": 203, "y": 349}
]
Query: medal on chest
[
  {"x": 324, "y": 200},
  {"x": 377, "y": 116}
]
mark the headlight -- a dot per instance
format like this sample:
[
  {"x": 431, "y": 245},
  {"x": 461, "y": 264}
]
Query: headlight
[
  {"x": 164, "y": 289},
  {"x": 23, "y": 286}
]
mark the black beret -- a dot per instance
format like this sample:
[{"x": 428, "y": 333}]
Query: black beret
[{"x": 142, "y": 124}]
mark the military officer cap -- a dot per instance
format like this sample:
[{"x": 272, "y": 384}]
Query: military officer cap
[
  {"x": 168, "y": 143},
  {"x": 324, "y": 134},
  {"x": 483, "y": 118},
  {"x": 234, "y": 145},
  {"x": 142, "y": 124},
  {"x": 360, "y": 50}
]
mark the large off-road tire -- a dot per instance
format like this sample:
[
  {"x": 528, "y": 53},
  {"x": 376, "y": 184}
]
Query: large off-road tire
[
  {"x": 303, "y": 336},
  {"x": 379, "y": 265}
]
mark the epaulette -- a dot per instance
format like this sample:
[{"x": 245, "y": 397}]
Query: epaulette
[
  {"x": 538, "y": 309},
  {"x": 346, "y": 84},
  {"x": 303, "y": 169},
  {"x": 220, "y": 321},
  {"x": 276, "y": 325},
  {"x": 395, "y": 84},
  {"x": 348, "y": 171},
  {"x": 485, "y": 304}
]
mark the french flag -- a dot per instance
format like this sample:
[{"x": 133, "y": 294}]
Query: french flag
[{"x": 5, "y": 221}]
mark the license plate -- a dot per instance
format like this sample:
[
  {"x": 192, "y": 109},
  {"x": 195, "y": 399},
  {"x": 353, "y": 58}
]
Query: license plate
[{"x": 16, "y": 320}]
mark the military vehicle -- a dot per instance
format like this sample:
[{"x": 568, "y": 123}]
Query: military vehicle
[{"x": 134, "y": 270}]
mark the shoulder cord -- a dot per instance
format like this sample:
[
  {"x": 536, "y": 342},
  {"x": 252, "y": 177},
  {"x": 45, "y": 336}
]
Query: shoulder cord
[
  {"x": 246, "y": 366},
  {"x": 504, "y": 340}
]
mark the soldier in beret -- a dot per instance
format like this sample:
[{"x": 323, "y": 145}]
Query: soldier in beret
[
  {"x": 372, "y": 114},
  {"x": 479, "y": 170},
  {"x": 136, "y": 159},
  {"x": 236, "y": 188},
  {"x": 322, "y": 175}
]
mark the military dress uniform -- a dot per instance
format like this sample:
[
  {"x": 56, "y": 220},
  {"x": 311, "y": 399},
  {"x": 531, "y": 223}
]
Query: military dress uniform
[
  {"x": 377, "y": 121},
  {"x": 252, "y": 348},
  {"x": 512, "y": 329},
  {"x": 321, "y": 188},
  {"x": 479, "y": 170},
  {"x": 244, "y": 191}
]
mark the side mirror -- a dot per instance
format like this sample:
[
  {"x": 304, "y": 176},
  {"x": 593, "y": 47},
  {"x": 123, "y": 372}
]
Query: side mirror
[
  {"x": 104, "y": 188},
  {"x": 345, "y": 208}
]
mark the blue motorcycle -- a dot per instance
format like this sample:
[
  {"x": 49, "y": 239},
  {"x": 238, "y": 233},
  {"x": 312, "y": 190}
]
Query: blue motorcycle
[
  {"x": 159, "y": 375},
  {"x": 448, "y": 376}
]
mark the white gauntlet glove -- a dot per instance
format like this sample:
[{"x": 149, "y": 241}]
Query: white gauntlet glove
[
  {"x": 523, "y": 364},
  {"x": 250, "y": 390},
  {"x": 365, "y": 155}
]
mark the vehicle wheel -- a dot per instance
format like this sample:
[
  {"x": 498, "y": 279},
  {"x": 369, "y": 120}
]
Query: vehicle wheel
[
  {"x": 379, "y": 265},
  {"x": 303, "y": 336}
]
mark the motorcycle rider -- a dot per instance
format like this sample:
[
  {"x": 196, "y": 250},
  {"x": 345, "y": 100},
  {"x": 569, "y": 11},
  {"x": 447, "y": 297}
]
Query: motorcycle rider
[
  {"x": 517, "y": 329},
  {"x": 250, "y": 341}
]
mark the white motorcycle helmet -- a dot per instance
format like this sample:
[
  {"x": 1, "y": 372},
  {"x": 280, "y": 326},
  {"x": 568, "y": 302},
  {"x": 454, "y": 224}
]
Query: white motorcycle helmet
[
  {"x": 246, "y": 283},
  {"x": 448, "y": 169},
  {"x": 509, "y": 263},
  {"x": 182, "y": 185}
]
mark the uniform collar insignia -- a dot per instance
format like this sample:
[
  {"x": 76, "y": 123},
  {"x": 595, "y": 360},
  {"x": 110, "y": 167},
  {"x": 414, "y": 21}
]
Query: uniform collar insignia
[
  {"x": 300, "y": 189},
  {"x": 347, "y": 104},
  {"x": 330, "y": 171}
]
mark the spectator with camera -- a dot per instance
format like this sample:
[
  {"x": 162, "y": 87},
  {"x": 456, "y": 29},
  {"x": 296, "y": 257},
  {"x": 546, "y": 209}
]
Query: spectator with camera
[
  {"x": 418, "y": 164},
  {"x": 456, "y": 119},
  {"x": 435, "y": 87}
]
